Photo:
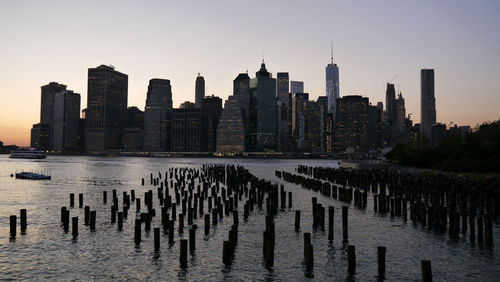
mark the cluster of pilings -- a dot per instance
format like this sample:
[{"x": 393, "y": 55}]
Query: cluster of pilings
[
  {"x": 13, "y": 224},
  {"x": 441, "y": 202},
  {"x": 181, "y": 197}
]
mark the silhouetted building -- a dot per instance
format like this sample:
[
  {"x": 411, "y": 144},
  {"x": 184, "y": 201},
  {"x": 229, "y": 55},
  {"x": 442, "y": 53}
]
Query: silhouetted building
[
  {"x": 66, "y": 121},
  {"x": 323, "y": 108},
  {"x": 428, "y": 102},
  {"x": 332, "y": 86},
  {"x": 212, "y": 108},
  {"x": 296, "y": 87},
  {"x": 231, "y": 129},
  {"x": 132, "y": 139},
  {"x": 47, "y": 107},
  {"x": 189, "y": 130},
  {"x": 283, "y": 104},
  {"x": 241, "y": 92},
  {"x": 375, "y": 127},
  {"x": 351, "y": 127},
  {"x": 390, "y": 97},
  {"x": 313, "y": 128},
  {"x": 40, "y": 136},
  {"x": 106, "y": 108},
  {"x": 299, "y": 103},
  {"x": 438, "y": 134},
  {"x": 135, "y": 118},
  {"x": 187, "y": 105},
  {"x": 263, "y": 115},
  {"x": 199, "y": 90},
  {"x": 157, "y": 115}
]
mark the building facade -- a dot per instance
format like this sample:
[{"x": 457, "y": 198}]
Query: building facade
[
  {"x": 296, "y": 87},
  {"x": 332, "y": 86},
  {"x": 231, "y": 128},
  {"x": 428, "y": 102},
  {"x": 299, "y": 104},
  {"x": 66, "y": 121},
  {"x": 283, "y": 90},
  {"x": 47, "y": 107},
  {"x": 263, "y": 114},
  {"x": 40, "y": 136},
  {"x": 199, "y": 90},
  {"x": 351, "y": 126},
  {"x": 106, "y": 108},
  {"x": 157, "y": 115},
  {"x": 212, "y": 109},
  {"x": 189, "y": 130}
]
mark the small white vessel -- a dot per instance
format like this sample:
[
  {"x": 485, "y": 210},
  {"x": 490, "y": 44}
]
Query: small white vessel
[{"x": 30, "y": 153}]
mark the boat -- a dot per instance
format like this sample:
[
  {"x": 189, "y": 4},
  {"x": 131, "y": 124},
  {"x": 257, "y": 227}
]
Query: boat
[
  {"x": 30, "y": 153},
  {"x": 32, "y": 176}
]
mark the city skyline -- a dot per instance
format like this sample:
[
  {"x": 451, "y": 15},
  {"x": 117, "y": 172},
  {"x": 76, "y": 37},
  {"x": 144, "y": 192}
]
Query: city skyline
[{"x": 460, "y": 49}]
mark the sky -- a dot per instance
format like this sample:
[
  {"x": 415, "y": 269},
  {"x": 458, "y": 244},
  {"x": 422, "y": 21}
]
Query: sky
[{"x": 44, "y": 41}]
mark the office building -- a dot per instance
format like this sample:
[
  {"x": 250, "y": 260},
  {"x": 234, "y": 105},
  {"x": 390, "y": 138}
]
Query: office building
[
  {"x": 428, "y": 102},
  {"x": 390, "y": 97},
  {"x": 66, "y": 122},
  {"x": 106, "y": 108},
  {"x": 40, "y": 136},
  {"x": 47, "y": 107},
  {"x": 231, "y": 129},
  {"x": 199, "y": 90},
  {"x": 212, "y": 108},
  {"x": 283, "y": 91},
  {"x": 299, "y": 104},
  {"x": 332, "y": 85},
  {"x": 296, "y": 87},
  {"x": 157, "y": 115},
  {"x": 263, "y": 115},
  {"x": 351, "y": 126},
  {"x": 189, "y": 130}
]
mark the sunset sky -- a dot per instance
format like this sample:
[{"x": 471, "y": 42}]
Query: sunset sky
[{"x": 44, "y": 41}]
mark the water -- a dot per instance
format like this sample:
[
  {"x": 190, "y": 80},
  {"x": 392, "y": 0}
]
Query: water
[{"x": 47, "y": 252}]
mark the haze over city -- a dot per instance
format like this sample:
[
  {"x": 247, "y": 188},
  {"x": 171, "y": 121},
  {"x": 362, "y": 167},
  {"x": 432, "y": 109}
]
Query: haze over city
[{"x": 372, "y": 41}]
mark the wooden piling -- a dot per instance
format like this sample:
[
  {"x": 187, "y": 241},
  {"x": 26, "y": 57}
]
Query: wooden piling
[
  {"x": 381, "y": 261},
  {"x": 207, "y": 224},
  {"x": 226, "y": 252},
  {"x": 120, "y": 221},
  {"x": 331, "y": 213},
  {"x": 87, "y": 216},
  {"x": 426, "y": 271},
  {"x": 13, "y": 225},
  {"x": 345, "y": 222},
  {"x": 71, "y": 200},
  {"x": 192, "y": 239},
  {"x": 23, "y": 221},
  {"x": 74, "y": 223},
  {"x": 157, "y": 239},
  {"x": 297, "y": 220},
  {"x": 351, "y": 260},
  {"x": 137, "y": 233},
  {"x": 92, "y": 220},
  {"x": 184, "y": 249}
]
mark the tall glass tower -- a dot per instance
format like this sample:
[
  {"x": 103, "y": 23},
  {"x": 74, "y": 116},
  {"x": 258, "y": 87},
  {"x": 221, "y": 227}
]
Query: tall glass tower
[{"x": 332, "y": 85}]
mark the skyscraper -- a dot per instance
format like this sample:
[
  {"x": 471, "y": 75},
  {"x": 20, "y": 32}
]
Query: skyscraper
[
  {"x": 283, "y": 104},
  {"x": 241, "y": 92},
  {"x": 157, "y": 115},
  {"x": 47, "y": 107},
  {"x": 263, "y": 117},
  {"x": 189, "y": 130},
  {"x": 352, "y": 124},
  {"x": 231, "y": 129},
  {"x": 428, "y": 102},
  {"x": 212, "y": 108},
  {"x": 106, "y": 108},
  {"x": 299, "y": 105},
  {"x": 66, "y": 121},
  {"x": 199, "y": 90},
  {"x": 296, "y": 87},
  {"x": 332, "y": 85},
  {"x": 390, "y": 97}
]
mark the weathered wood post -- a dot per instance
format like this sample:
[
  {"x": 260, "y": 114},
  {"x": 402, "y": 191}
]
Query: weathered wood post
[
  {"x": 344, "y": 222},
  {"x": 23, "y": 221},
  {"x": 331, "y": 212},
  {"x": 426, "y": 271},
  {"x": 71, "y": 200},
  {"x": 120, "y": 221},
  {"x": 184, "y": 249},
  {"x": 74, "y": 222},
  {"x": 157, "y": 239},
  {"x": 351, "y": 260},
  {"x": 104, "y": 197},
  {"x": 207, "y": 224},
  {"x": 92, "y": 220},
  {"x": 381, "y": 261},
  {"x": 137, "y": 233},
  {"x": 13, "y": 225},
  {"x": 297, "y": 220},
  {"x": 80, "y": 200},
  {"x": 192, "y": 239}
]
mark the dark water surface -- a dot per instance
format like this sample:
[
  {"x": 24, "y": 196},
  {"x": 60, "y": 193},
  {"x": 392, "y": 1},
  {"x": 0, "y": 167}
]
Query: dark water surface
[{"x": 47, "y": 252}]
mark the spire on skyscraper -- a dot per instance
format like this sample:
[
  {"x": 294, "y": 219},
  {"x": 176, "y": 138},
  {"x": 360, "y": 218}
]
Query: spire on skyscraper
[{"x": 331, "y": 55}]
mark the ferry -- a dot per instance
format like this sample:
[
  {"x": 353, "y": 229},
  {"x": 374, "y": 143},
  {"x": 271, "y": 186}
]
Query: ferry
[{"x": 31, "y": 153}]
